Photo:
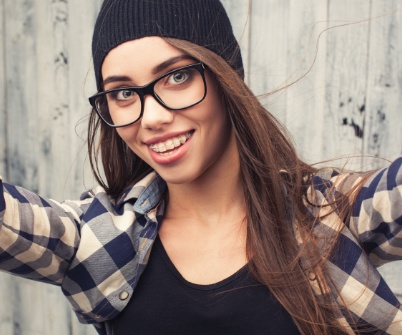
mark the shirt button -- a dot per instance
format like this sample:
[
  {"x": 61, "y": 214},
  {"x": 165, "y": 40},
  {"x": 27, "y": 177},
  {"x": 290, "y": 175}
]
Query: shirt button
[
  {"x": 312, "y": 276},
  {"x": 124, "y": 295}
]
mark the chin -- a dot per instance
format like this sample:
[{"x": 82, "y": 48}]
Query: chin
[
  {"x": 178, "y": 178},
  {"x": 175, "y": 180}
]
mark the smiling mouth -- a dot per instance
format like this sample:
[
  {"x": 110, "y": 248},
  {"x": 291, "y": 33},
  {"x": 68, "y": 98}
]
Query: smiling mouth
[{"x": 171, "y": 143}]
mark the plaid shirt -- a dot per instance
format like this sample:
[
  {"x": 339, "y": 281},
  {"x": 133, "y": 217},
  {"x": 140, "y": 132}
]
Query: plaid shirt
[{"x": 96, "y": 248}]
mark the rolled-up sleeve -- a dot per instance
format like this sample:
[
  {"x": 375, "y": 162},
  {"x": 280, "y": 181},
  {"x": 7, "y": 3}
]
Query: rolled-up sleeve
[
  {"x": 377, "y": 215},
  {"x": 38, "y": 237}
]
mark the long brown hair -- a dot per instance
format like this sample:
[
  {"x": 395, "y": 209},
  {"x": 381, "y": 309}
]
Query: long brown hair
[{"x": 275, "y": 183}]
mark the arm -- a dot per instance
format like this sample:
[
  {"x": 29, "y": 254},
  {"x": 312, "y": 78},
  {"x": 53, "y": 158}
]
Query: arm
[
  {"x": 38, "y": 237},
  {"x": 94, "y": 248},
  {"x": 377, "y": 215}
]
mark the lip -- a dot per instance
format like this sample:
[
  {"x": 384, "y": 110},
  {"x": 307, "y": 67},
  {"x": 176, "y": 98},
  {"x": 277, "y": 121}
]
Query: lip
[
  {"x": 174, "y": 155},
  {"x": 166, "y": 137}
]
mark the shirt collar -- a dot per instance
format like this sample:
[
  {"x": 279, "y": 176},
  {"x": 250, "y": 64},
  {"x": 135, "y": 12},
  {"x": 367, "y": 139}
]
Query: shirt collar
[{"x": 148, "y": 193}]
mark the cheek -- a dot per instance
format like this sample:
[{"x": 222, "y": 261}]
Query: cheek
[
  {"x": 217, "y": 114},
  {"x": 214, "y": 103},
  {"x": 129, "y": 136}
]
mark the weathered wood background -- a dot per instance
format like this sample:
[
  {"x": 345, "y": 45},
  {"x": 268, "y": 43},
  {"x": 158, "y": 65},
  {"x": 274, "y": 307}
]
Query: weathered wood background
[{"x": 349, "y": 102}]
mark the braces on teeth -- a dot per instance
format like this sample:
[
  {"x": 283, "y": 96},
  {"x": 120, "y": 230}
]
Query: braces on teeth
[{"x": 170, "y": 144}]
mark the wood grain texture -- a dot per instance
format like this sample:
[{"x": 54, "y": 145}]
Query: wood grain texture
[
  {"x": 304, "y": 99},
  {"x": 44, "y": 152},
  {"x": 346, "y": 77},
  {"x": 384, "y": 81},
  {"x": 348, "y": 102},
  {"x": 239, "y": 13},
  {"x": 3, "y": 116},
  {"x": 267, "y": 69},
  {"x": 21, "y": 88}
]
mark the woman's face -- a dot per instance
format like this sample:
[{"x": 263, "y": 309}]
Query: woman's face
[{"x": 202, "y": 136}]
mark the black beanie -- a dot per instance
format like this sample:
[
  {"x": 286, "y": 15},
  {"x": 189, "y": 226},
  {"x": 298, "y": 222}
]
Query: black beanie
[{"x": 203, "y": 22}]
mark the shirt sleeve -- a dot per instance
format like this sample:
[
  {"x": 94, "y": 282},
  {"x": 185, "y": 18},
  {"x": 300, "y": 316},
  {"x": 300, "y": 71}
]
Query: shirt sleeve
[
  {"x": 38, "y": 237},
  {"x": 376, "y": 218}
]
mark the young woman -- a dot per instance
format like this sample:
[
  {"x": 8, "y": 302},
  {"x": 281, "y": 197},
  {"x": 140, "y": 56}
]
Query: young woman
[{"x": 205, "y": 221}]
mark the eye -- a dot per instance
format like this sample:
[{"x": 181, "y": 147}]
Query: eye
[
  {"x": 124, "y": 95},
  {"x": 179, "y": 77}
]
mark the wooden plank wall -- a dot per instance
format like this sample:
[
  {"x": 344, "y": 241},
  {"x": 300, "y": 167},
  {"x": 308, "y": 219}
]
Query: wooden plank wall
[{"x": 348, "y": 102}]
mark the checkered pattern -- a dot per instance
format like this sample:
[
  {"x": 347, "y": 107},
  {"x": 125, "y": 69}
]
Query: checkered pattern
[
  {"x": 96, "y": 249},
  {"x": 372, "y": 237}
]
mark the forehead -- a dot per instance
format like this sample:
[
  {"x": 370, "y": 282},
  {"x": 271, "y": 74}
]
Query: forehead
[{"x": 139, "y": 56}]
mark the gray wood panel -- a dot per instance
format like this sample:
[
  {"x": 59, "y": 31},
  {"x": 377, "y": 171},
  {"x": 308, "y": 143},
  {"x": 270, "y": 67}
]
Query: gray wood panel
[
  {"x": 384, "y": 81},
  {"x": 46, "y": 61},
  {"x": 3, "y": 116},
  {"x": 348, "y": 102},
  {"x": 346, "y": 75}
]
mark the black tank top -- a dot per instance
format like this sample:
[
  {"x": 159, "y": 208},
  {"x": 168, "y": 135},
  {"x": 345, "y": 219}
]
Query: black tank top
[{"x": 165, "y": 303}]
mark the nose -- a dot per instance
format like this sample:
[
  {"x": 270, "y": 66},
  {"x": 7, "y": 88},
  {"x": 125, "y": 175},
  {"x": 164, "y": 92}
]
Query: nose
[{"x": 155, "y": 115}]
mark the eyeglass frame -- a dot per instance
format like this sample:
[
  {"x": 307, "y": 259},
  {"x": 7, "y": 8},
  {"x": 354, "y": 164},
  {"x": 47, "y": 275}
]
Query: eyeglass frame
[{"x": 148, "y": 89}]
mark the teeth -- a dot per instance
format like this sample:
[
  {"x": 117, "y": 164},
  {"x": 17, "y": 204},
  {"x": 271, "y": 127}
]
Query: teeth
[{"x": 170, "y": 143}]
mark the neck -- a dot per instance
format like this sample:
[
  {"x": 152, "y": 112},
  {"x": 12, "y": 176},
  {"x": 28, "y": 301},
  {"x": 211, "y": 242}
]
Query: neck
[{"x": 216, "y": 197}]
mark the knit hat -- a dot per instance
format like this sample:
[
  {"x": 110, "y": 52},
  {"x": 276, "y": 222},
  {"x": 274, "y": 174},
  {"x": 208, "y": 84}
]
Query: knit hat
[{"x": 203, "y": 22}]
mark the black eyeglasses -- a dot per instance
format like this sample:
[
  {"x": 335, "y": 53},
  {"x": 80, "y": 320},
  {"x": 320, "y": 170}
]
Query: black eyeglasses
[{"x": 176, "y": 90}]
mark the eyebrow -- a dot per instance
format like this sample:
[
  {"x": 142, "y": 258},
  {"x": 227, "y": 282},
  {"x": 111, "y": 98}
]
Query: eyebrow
[
  {"x": 162, "y": 66},
  {"x": 157, "y": 69}
]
